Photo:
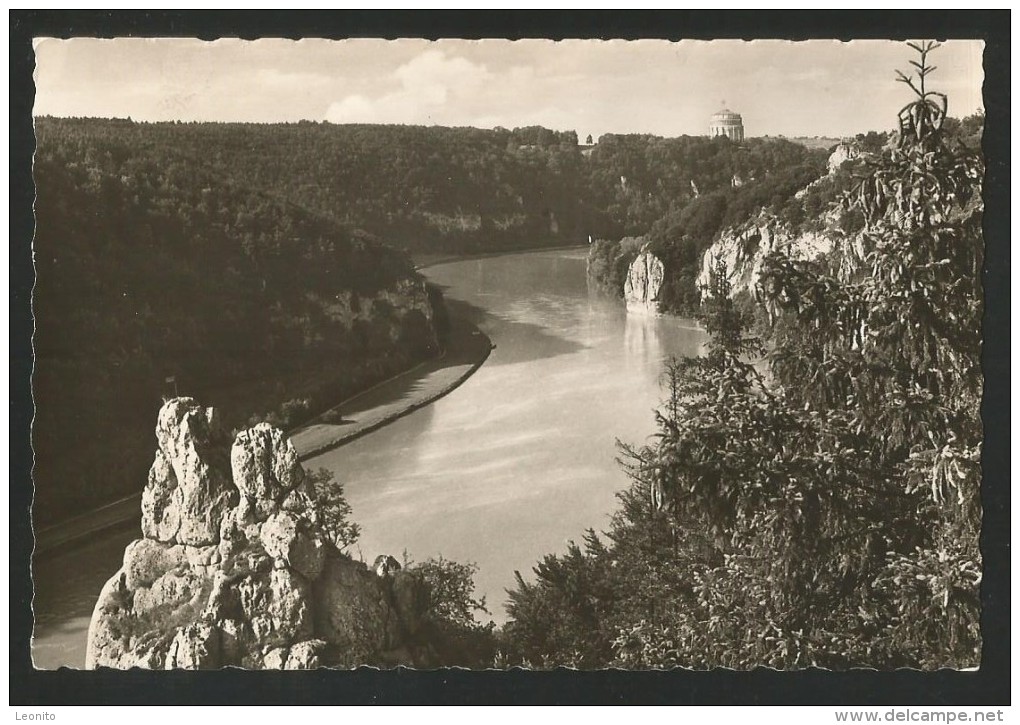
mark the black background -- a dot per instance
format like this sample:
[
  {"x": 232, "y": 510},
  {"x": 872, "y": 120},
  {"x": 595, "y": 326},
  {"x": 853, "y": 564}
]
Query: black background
[{"x": 988, "y": 686}]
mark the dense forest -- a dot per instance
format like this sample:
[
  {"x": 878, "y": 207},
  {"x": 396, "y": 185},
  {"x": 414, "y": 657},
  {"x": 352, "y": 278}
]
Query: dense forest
[
  {"x": 210, "y": 254},
  {"x": 456, "y": 190},
  {"x": 159, "y": 272},
  {"x": 811, "y": 497}
]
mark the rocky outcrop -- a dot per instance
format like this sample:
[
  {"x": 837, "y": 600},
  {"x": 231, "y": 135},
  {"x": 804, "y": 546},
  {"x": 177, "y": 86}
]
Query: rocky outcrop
[
  {"x": 644, "y": 282},
  {"x": 189, "y": 488},
  {"x": 744, "y": 249},
  {"x": 845, "y": 151},
  {"x": 235, "y": 567}
]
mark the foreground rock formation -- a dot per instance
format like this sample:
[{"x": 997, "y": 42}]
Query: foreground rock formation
[
  {"x": 237, "y": 567},
  {"x": 644, "y": 282}
]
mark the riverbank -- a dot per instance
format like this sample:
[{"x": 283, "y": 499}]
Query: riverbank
[{"x": 466, "y": 349}]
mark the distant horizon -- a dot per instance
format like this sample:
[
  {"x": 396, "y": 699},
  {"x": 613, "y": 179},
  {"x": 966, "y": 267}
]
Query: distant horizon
[
  {"x": 816, "y": 88},
  {"x": 580, "y": 141}
]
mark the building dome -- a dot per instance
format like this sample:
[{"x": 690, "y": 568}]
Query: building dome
[
  {"x": 726, "y": 115},
  {"x": 727, "y": 123}
]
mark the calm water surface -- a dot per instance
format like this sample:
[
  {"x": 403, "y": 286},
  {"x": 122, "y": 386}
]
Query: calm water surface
[
  {"x": 521, "y": 458},
  {"x": 510, "y": 466}
]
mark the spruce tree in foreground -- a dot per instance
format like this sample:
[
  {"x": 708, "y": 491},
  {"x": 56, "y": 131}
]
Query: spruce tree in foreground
[{"x": 894, "y": 348}]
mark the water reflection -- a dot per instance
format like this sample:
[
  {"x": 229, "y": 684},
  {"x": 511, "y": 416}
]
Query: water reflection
[{"x": 641, "y": 336}]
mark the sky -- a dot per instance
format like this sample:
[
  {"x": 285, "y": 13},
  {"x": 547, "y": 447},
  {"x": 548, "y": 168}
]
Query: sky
[{"x": 806, "y": 88}]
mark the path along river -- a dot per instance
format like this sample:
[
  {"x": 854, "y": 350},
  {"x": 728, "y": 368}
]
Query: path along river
[{"x": 508, "y": 467}]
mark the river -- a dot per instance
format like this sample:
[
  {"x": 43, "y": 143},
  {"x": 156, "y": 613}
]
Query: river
[{"x": 511, "y": 465}]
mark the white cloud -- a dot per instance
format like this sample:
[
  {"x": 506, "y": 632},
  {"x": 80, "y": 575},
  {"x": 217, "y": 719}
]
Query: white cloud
[
  {"x": 429, "y": 85},
  {"x": 434, "y": 68},
  {"x": 352, "y": 109}
]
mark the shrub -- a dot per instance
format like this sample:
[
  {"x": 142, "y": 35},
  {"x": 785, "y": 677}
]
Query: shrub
[{"x": 333, "y": 509}]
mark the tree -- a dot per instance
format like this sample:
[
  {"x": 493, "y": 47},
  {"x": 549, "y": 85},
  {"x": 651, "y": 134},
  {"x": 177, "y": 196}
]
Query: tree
[
  {"x": 333, "y": 510},
  {"x": 887, "y": 336},
  {"x": 450, "y": 626}
]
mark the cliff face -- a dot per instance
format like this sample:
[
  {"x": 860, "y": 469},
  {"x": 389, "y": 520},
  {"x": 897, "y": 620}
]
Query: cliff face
[
  {"x": 843, "y": 152},
  {"x": 743, "y": 249},
  {"x": 237, "y": 566},
  {"x": 644, "y": 282}
]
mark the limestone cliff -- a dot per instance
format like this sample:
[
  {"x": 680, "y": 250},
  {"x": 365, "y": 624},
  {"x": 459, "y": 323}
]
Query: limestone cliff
[
  {"x": 743, "y": 248},
  {"x": 644, "y": 282},
  {"x": 845, "y": 151},
  {"x": 237, "y": 566}
]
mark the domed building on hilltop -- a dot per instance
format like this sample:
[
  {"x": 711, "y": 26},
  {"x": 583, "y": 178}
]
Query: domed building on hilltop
[{"x": 727, "y": 123}]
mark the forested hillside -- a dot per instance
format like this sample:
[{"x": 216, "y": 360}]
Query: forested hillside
[
  {"x": 646, "y": 183},
  {"x": 790, "y": 194},
  {"x": 208, "y": 253},
  {"x": 159, "y": 271},
  {"x": 419, "y": 188},
  {"x": 680, "y": 221},
  {"x": 470, "y": 190}
]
